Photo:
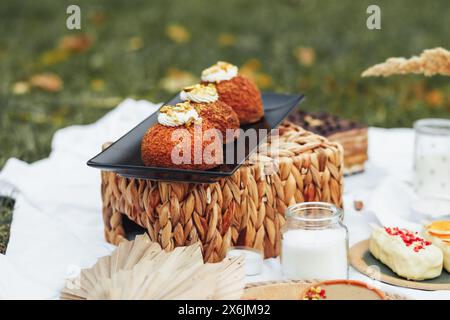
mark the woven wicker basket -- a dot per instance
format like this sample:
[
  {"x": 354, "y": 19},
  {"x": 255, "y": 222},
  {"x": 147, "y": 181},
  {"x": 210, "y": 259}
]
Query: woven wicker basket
[{"x": 245, "y": 209}]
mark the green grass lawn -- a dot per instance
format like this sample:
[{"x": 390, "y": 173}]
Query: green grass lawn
[{"x": 146, "y": 49}]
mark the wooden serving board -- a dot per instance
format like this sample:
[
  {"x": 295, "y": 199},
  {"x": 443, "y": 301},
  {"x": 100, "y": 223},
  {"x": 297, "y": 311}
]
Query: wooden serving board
[
  {"x": 285, "y": 290},
  {"x": 361, "y": 259}
]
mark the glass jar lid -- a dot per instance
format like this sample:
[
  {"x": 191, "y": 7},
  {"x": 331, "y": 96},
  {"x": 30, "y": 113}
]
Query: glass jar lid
[
  {"x": 433, "y": 126},
  {"x": 314, "y": 214}
]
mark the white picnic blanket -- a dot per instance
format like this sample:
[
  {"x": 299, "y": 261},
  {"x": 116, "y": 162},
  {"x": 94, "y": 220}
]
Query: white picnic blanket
[{"x": 57, "y": 225}]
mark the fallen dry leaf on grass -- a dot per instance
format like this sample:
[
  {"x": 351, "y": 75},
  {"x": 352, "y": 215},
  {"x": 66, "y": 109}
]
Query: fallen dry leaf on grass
[
  {"x": 226, "y": 40},
  {"x": 20, "y": 87},
  {"x": 54, "y": 56},
  {"x": 98, "y": 18},
  {"x": 177, "y": 33},
  {"x": 434, "y": 98},
  {"x": 97, "y": 85},
  {"x": 175, "y": 80},
  {"x": 46, "y": 81},
  {"x": 67, "y": 45},
  {"x": 263, "y": 80},
  {"x": 251, "y": 69},
  {"x": 305, "y": 56},
  {"x": 75, "y": 43},
  {"x": 135, "y": 43},
  {"x": 250, "y": 66}
]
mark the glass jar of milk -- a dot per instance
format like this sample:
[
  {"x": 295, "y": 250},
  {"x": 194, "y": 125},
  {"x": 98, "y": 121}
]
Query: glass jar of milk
[
  {"x": 314, "y": 242},
  {"x": 432, "y": 158}
]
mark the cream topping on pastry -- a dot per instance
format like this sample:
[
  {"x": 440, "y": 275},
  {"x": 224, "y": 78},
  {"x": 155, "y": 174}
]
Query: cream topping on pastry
[
  {"x": 200, "y": 93},
  {"x": 177, "y": 115},
  {"x": 219, "y": 72}
]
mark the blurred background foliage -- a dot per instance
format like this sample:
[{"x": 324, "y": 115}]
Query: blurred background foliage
[{"x": 52, "y": 77}]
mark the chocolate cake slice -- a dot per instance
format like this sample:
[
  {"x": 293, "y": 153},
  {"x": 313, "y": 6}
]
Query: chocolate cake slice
[{"x": 350, "y": 134}]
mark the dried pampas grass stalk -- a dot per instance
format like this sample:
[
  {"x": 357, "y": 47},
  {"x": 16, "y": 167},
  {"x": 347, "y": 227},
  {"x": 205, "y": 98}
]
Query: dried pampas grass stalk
[
  {"x": 431, "y": 62},
  {"x": 140, "y": 269}
]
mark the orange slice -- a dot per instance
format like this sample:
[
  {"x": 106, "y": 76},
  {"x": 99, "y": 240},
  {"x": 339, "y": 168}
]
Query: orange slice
[
  {"x": 439, "y": 235},
  {"x": 439, "y": 228}
]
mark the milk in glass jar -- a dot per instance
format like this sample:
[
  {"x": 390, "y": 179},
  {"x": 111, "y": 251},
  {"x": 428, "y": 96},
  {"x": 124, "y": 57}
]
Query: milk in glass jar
[{"x": 314, "y": 242}]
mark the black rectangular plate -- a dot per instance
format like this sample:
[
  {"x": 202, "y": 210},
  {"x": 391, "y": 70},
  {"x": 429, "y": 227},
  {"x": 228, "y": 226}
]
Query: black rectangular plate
[{"x": 124, "y": 155}]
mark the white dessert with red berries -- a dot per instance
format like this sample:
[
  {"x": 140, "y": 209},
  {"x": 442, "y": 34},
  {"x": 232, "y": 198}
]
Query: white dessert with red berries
[{"x": 406, "y": 253}]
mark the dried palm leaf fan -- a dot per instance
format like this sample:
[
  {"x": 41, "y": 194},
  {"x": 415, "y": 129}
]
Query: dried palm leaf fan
[
  {"x": 140, "y": 269},
  {"x": 430, "y": 62}
]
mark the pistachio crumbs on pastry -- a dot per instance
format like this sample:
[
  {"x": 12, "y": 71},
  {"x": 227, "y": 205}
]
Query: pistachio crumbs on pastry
[
  {"x": 221, "y": 71},
  {"x": 239, "y": 92},
  {"x": 201, "y": 93},
  {"x": 177, "y": 115},
  {"x": 205, "y": 99},
  {"x": 406, "y": 253}
]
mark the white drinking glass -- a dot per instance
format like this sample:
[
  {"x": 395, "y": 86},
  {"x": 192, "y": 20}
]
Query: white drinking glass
[{"x": 432, "y": 159}]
